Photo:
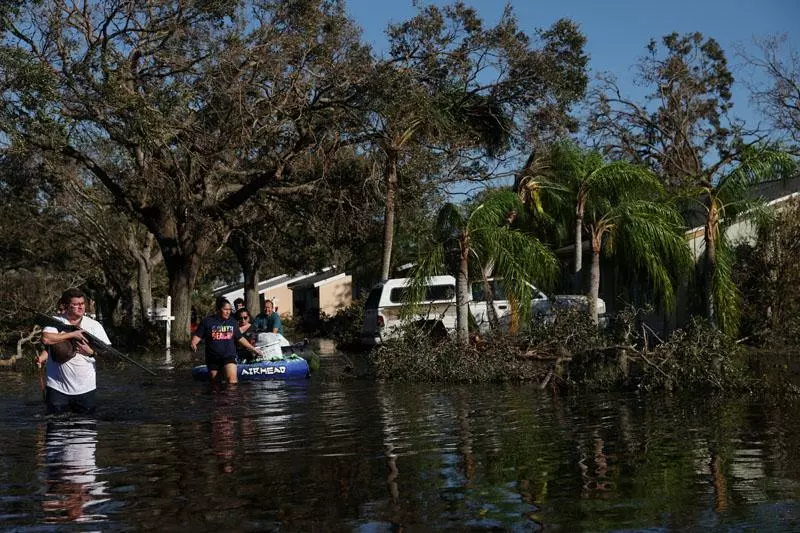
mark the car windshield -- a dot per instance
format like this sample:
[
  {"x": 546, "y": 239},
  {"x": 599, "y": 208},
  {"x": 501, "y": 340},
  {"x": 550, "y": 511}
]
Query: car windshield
[{"x": 498, "y": 291}]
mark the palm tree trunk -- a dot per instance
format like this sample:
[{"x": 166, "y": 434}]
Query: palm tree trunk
[
  {"x": 594, "y": 285},
  {"x": 389, "y": 208},
  {"x": 462, "y": 292},
  {"x": 576, "y": 279},
  {"x": 710, "y": 263}
]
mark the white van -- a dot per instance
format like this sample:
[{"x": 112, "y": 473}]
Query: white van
[
  {"x": 382, "y": 308},
  {"x": 437, "y": 311}
]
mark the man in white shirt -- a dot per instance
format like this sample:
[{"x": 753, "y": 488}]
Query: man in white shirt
[{"x": 71, "y": 379}]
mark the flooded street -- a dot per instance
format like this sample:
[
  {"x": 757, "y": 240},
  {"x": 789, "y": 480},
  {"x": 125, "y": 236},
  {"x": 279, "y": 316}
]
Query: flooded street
[{"x": 328, "y": 454}]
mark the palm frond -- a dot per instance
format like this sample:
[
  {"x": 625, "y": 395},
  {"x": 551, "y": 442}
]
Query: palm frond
[
  {"x": 757, "y": 165},
  {"x": 430, "y": 262},
  {"x": 620, "y": 179},
  {"x": 650, "y": 235},
  {"x": 724, "y": 291}
]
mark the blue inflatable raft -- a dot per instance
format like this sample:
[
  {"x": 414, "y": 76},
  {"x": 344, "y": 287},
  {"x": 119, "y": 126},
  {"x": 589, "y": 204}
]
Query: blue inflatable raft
[
  {"x": 290, "y": 367},
  {"x": 281, "y": 361}
]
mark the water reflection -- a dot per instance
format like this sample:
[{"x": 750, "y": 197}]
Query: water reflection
[
  {"x": 322, "y": 455},
  {"x": 72, "y": 491}
]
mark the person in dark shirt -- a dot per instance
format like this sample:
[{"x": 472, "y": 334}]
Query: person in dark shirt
[
  {"x": 248, "y": 332},
  {"x": 220, "y": 335}
]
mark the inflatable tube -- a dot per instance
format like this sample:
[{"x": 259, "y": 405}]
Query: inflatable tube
[{"x": 291, "y": 367}]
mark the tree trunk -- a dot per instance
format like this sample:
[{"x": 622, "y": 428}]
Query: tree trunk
[
  {"x": 710, "y": 239},
  {"x": 462, "y": 293},
  {"x": 128, "y": 307},
  {"x": 145, "y": 262},
  {"x": 577, "y": 281},
  {"x": 182, "y": 269},
  {"x": 594, "y": 285},
  {"x": 251, "y": 290},
  {"x": 144, "y": 288},
  {"x": 388, "y": 218}
]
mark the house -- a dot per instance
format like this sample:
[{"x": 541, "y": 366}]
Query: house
[
  {"x": 325, "y": 293},
  {"x": 275, "y": 288},
  {"x": 300, "y": 295}
]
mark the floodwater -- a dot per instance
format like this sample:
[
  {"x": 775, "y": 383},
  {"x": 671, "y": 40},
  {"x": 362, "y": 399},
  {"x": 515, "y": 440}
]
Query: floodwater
[{"x": 333, "y": 454}]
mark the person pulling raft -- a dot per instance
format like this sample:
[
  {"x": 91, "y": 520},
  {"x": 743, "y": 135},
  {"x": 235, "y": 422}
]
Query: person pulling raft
[{"x": 220, "y": 335}]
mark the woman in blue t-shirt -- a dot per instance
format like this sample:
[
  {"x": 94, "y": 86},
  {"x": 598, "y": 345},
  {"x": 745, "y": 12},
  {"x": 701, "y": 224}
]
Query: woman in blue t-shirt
[{"x": 220, "y": 334}]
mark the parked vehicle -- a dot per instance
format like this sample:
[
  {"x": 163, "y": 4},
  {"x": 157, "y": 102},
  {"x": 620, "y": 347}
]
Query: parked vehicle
[{"x": 437, "y": 311}]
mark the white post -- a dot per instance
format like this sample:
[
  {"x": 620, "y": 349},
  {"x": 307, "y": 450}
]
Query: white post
[{"x": 169, "y": 322}]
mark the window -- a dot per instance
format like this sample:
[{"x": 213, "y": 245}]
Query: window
[
  {"x": 432, "y": 293},
  {"x": 479, "y": 293}
]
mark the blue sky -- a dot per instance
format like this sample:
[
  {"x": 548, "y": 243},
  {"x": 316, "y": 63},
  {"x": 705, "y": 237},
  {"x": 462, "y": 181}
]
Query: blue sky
[{"x": 618, "y": 30}]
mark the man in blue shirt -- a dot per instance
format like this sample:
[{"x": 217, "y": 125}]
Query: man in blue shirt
[{"x": 269, "y": 320}]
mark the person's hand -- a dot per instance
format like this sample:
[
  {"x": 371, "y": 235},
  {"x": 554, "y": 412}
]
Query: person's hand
[
  {"x": 40, "y": 359},
  {"x": 77, "y": 335},
  {"x": 258, "y": 352},
  {"x": 83, "y": 347}
]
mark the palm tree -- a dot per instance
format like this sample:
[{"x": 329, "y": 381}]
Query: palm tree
[
  {"x": 650, "y": 236},
  {"x": 587, "y": 177},
  {"x": 407, "y": 119},
  {"x": 620, "y": 207},
  {"x": 725, "y": 202},
  {"x": 467, "y": 239}
]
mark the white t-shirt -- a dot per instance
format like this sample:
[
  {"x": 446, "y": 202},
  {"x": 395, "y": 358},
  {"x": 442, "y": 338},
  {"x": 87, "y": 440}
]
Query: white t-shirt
[{"x": 76, "y": 376}]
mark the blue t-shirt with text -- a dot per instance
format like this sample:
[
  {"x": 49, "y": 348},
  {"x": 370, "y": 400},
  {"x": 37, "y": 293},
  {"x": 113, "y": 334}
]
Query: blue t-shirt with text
[{"x": 220, "y": 337}]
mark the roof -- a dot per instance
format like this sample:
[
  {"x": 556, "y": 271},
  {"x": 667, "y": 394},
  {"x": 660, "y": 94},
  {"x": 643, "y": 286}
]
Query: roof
[
  {"x": 317, "y": 279},
  {"x": 234, "y": 291}
]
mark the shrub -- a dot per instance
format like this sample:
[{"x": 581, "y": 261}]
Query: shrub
[
  {"x": 415, "y": 357},
  {"x": 769, "y": 280},
  {"x": 344, "y": 328},
  {"x": 697, "y": 357}
]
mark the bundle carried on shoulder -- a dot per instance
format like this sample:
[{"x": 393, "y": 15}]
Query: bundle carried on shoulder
[{"x": 63, "y": 351}]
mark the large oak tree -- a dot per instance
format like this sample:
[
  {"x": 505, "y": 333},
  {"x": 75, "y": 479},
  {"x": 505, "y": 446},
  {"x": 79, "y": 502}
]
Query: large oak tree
[{"x": 200, "y": 104}]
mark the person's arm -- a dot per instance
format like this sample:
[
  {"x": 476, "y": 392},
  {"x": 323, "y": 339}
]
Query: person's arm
[
  {"x": 41, "y": 358},
  {"x": 52, "y": 336},
  {"x": 198, "y": 334},
  {"x": 244, "y": 342},
  {"x": 276, "y": 322}
]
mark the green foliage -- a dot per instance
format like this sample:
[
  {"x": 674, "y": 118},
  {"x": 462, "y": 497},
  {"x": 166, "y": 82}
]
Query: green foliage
[
  {"x": 469, "y": 240},
  {"x": 697, "y": 357},
  {"x": 622, "y": 207},
  {"x": 684, "y": 123},
  {"x": 769, "y": 279},
  {"x": 344, "y": 328},
  {"x": 575, "y": 354},
  {"x": 570, "y": 331}
]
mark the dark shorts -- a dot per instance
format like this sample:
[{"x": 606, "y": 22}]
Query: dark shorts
[
  {"x": 58, "y": 402},
  {"x": 214, "y": 362}
]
